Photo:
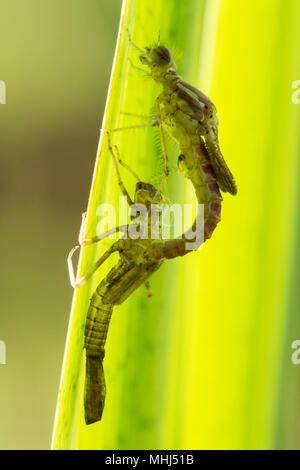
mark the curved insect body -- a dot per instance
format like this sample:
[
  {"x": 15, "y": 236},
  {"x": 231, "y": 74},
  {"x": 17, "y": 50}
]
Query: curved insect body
[
  {"x": 190, "y": 118},
  {"x": 139, "y": 259},
  {"x": 195, "y": 165},
  {"x": 186, "y": 113}
]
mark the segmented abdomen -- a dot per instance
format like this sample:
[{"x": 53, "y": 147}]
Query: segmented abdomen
[
  {"x": 97, "y": 323},
  {"x": 195, "y": 165},
  {"x": 207, "y": 189}
]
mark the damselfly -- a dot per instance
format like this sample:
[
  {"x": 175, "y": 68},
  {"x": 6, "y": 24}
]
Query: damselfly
[
  {"x": 139, "y": 259},
  {"x": 190, "y": 118}
]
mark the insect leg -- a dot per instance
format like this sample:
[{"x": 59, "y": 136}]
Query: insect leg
[
  {"x": 127, "y": 128},
  {"x": 82, "y": 228},
  {"x": 148, "y": 292},
  {"x": 138, "y": 48},
  {"x": 99, "y": 238},
  {"x": 138, "y": 68},
  {"x": 120, "y": 182},
  {"x": 79, "y": 282},
  {"x": 124, "y": 165},
  {"x": 163, "y": 178},
  {"x": 141, "y": 116},
  {"x": 162, "y": 140}
]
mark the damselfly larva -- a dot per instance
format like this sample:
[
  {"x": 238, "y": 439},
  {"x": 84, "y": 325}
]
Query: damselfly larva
[
  {"x": 139, "y": 259},
  {"x": 189, "y": 117}
]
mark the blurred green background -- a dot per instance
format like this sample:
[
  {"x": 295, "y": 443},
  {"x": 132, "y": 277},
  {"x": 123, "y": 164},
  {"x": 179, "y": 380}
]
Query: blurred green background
[
  {"x": 234, "y": 385},
  {"x": 56, "y": 59}
]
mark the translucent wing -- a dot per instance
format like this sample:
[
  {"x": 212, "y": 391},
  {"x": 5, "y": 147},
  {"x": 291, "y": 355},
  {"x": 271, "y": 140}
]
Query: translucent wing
[
  {"x": 224, "y": 176},
  {"x": 203, "y": 107}
]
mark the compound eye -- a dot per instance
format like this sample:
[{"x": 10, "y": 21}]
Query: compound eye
[
  {"x": 163, "y": 54},
  {"x": 181, "y": 158},
  {"x": 139, "y": 185}
]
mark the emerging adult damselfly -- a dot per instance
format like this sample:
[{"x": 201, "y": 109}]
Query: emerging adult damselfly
[{"x": 190, "y": 119}]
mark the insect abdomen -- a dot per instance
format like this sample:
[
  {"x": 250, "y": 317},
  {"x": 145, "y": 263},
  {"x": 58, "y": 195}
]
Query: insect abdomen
[
  {"x": 207, "y": 189},
  {"x": 212, "y": 210},
  {"x": 97, "y": 323}
]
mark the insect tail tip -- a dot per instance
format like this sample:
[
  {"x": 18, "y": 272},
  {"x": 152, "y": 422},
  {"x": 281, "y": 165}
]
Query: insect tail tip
[{"x": 92, "y": 419}]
